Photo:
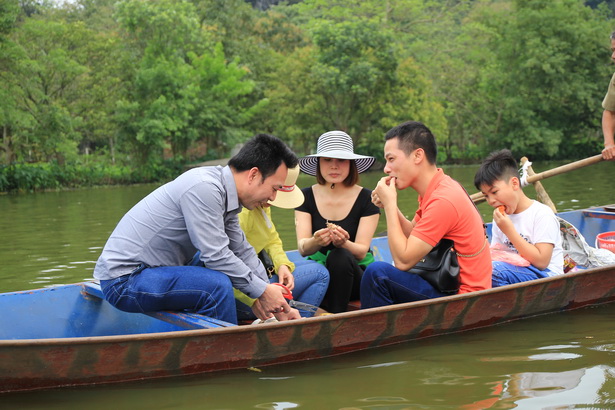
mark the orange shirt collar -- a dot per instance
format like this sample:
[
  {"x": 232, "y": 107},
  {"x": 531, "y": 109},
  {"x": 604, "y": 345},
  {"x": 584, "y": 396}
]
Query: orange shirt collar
[{"x": 435, "y": 181}]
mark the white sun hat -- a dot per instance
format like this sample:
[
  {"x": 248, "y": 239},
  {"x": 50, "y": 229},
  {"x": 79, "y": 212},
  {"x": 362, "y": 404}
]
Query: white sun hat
[
  {"x": 289, "y": 196},
  {"x": 335, "y": 144}
]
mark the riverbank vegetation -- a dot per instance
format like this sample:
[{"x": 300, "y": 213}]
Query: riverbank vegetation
[{"x": 107, "y": 91}]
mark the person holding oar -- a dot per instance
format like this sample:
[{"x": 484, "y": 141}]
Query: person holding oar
[{"x": 608, "y": 115}]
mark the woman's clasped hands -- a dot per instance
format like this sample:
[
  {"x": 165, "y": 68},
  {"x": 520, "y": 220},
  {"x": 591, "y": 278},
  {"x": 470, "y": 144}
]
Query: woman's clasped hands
[{"x": 332, "y": 234}]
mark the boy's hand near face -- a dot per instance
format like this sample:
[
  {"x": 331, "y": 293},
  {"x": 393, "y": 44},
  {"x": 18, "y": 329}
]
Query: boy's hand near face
[{"x": 503, "y": 222}]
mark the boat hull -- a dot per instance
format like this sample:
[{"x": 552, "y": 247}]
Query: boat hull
[
  {"x": 27, "y": 364},
  {"x": 30, "y": 364}
]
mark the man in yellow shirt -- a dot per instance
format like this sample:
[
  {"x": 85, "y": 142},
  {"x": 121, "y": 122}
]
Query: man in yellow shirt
[{"x": 309, "y": 280}]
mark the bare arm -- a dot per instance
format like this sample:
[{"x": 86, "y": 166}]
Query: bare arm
[
  {"x": 363, "y": 239},
  {"x": 406, "y": 225},
  {"x": 308, "y": 244},
  {"x": 608, "y": 130},
  {"x": 406, "y": 250}
]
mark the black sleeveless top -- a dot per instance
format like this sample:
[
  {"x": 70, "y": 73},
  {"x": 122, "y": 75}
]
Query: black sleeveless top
[{"x": 363, "y": 206}]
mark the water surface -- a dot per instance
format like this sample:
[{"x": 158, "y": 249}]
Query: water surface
[{"x": 558, "y": 361}]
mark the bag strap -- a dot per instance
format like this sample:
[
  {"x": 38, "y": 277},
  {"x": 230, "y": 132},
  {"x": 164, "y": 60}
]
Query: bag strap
[
  {"x": 474, "y": 254},
  {"x": 482, "y": 220}
]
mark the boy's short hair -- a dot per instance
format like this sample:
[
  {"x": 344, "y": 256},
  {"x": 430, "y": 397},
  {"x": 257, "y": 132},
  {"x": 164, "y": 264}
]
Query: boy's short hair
[
  {"x": 498, "y": 166},
  {"x": 264, "y": 152}
]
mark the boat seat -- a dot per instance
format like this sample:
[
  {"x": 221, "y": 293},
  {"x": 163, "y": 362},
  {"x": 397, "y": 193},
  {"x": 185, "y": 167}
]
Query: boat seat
[
  {"x": 182, "y": 319},
  {"x": 354, "y": 305}
]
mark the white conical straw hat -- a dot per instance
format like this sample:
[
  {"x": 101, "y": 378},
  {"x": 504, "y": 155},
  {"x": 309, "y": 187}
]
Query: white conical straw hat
[{"x": 290, "y": 196}]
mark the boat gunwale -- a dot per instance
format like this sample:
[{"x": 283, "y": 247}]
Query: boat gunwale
[{"x": 300, "y": 322}]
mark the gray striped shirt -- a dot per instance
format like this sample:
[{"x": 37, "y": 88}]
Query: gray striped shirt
[{"x": 196, "y": 211}]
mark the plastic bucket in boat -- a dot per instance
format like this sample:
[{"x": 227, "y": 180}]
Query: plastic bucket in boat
[{"x": 606, "y": 240}]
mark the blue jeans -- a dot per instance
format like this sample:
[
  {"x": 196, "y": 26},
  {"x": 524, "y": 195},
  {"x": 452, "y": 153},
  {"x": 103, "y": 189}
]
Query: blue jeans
[
  {"x": 311, "y": 283},
  {"x": 383, "y": 284},
  {"x": 505, "y": 273},
  {"x": 180, "y": 288}
]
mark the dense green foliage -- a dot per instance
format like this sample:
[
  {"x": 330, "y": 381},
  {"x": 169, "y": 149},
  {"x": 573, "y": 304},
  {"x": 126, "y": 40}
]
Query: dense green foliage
[{"x": 107, "y": 91}]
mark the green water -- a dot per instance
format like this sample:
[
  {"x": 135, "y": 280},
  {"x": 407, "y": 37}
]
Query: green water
[
  {"x": 55, "y": 237},
  {"x": 555, "y": 361}
]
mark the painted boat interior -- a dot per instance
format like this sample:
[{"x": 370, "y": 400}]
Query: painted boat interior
[{"x": 79, "y": 310}]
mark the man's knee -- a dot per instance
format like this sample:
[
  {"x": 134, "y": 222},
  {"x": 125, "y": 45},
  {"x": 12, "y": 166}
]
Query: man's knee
[{"x": 377, "y": 268}]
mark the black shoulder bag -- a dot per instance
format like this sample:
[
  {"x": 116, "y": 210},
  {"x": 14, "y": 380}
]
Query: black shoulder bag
[
  {"x": 440, "y": 266},
  {"x": 267, "y": 262}
]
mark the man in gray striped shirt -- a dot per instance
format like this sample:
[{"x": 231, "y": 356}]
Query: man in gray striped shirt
[{"x": 143, "y": 266}]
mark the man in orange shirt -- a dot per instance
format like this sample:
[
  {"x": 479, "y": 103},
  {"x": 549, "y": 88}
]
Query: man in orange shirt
[{"x": 445, "y": 212}]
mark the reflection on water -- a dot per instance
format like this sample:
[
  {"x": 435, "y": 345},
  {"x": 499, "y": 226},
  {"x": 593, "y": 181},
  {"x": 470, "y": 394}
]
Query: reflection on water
[{"x": 541, "y": 390}]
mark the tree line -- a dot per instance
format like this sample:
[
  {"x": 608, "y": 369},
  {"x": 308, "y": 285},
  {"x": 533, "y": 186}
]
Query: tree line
[{"x": 131, "y": 90}]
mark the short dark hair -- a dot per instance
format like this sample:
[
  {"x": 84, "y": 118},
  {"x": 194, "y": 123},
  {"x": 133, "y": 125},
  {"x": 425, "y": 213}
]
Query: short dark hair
[
  {"x": 351, "y": 179},
  {"x": 498, "y": 166},
  {"x": 413, "y": 135},
  {"x": 613, "y": 35},
  {"x": 264, "y": 152}
]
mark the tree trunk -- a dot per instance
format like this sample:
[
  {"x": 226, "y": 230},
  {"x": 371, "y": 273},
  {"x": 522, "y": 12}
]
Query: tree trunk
[{"x": 112, "y": 150}]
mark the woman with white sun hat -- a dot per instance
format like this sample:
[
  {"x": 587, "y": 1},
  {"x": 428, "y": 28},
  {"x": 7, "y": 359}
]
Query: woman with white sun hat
[{"x": 337, "y": 221}]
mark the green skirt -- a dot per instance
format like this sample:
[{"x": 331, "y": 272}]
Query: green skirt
[{"x": 322, "y": 258}]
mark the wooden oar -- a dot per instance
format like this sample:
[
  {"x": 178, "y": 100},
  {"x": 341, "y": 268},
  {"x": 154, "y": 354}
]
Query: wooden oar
[
  {"x": 541, "y": 192},
  {"x": 479, "y": 197}
]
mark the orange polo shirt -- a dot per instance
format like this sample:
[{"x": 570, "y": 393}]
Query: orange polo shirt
[{"x": 446, "y": 211}]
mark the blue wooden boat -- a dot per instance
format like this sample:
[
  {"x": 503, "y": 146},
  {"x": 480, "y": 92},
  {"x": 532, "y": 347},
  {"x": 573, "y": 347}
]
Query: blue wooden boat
[{"x": 68, "y": 335}]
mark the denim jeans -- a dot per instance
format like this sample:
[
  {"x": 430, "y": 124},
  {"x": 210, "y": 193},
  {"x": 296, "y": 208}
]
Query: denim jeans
[
  {"x": 311, "y": 283},
  {"x": 505, "y": 273},
  {"x": 383, "y": 284},
  {"x": 180, "y": 288}
]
